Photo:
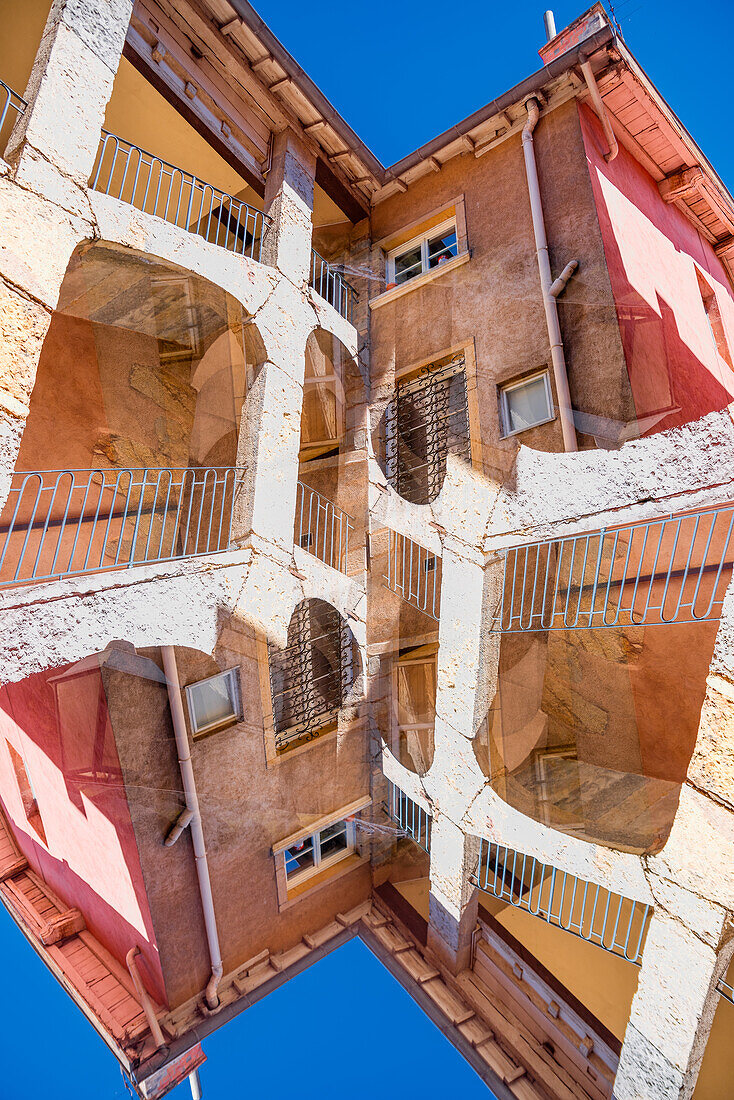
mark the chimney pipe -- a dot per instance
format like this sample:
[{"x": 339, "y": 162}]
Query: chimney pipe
[{"x": 550, "y": 26}]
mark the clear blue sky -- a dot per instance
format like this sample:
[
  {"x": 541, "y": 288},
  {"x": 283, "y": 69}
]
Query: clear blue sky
[
  {"x": 372, "y": 1038},
  {"x": 400, "y": 73}
]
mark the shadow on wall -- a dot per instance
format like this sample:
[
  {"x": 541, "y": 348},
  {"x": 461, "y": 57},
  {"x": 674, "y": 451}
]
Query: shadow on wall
[
  {"x": 58, "y": 722},
  {"x": 674, "y": 302}
]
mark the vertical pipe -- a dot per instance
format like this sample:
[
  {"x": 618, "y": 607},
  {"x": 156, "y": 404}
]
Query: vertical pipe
[
  {"x": 549, "y": 302},
  {"x": 550, "y": 25},
  {"x": 197, "y": 833}
]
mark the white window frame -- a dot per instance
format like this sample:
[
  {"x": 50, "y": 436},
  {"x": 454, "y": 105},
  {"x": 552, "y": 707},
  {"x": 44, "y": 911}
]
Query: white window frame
[
  {"x": 505, "y": 412},
  {"x": 422, "y": 240},
  {"x": 320, "y": 864},
  {"x": 230, "y": 674}
]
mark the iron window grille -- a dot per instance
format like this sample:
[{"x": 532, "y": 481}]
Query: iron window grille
[
  {"x": 427, "y": 419},
  {"x": 311, "y": 678},
  {"x": 412, "y": 820}
]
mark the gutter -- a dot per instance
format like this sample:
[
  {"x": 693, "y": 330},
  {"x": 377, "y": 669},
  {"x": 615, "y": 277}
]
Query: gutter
[
  {"x": 328, "y": 112},
  {"x": 526, "y": 88}
]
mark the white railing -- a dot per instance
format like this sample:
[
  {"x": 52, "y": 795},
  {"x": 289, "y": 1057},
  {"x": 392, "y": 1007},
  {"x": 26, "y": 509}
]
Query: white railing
[
  {"x": 593, "y": 913},
  {"x": 670, "y": 570},
  {"x": 148, "y": 183},
  {"x": 12, "y": 107},
  {"x": 321, "y": 528},
  {"x": 413, "y": 573},
  {"x": 412, "y": 820},
  {"x": 59, "y": 523},
  {"x": 331, "y": 285}
]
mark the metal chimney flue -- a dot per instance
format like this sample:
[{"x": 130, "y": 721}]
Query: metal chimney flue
[{"x": 550, "y": 26}]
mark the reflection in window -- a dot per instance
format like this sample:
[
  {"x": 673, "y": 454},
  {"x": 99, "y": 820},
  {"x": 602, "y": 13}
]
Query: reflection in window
[
  {"x": 214, "y": 702},
  {"x": 414, "y": 695},
  {"x": 433, "y": 248},
  {"x": 526, "y": 403},
  {"x": 318, "y": 851}
]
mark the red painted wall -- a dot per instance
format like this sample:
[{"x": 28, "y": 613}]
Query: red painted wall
[
  {"x": 57, "y": 721},
  {"x": 653, "y": 253}
]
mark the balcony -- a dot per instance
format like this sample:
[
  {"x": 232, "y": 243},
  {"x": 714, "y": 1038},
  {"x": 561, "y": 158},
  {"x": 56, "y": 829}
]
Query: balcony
[
  {"x": 156, "y": 187},
  {"x": 331, "y": 285},
  {"x": 61, "y": 523},
  {"x": 12, "y": 107},
  {"x": 322, "y": 528}
]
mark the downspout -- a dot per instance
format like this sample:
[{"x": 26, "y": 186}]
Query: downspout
[
  {"x": 596, "y": 99},
  {"x": 546, "y": 282},
  {"x": 145, "y": 1002},
  {"x": 197, "y": 833}
]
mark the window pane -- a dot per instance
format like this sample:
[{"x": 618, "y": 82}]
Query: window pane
[
  {"x": 299, "y": 856},
  {"x": 212, "y": 702},
  {"x": 333, "y": 839},
  {"x": 443, "y": 248},
  {"x": 408, "y": 264},
  {"x": 527, "y": 405}
]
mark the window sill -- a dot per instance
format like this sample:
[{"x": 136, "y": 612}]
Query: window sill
[
  {"x": 420, "y": 280},
  {"x": 323, "y": 878}
]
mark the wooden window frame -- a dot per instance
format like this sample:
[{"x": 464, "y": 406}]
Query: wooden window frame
[{"x": 422, "y": 240}]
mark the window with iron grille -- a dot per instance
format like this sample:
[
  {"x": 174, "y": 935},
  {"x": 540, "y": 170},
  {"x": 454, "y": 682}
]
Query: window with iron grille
[
  {"x": 427, "y": 419},
  {"x": 310, "y": 678}
]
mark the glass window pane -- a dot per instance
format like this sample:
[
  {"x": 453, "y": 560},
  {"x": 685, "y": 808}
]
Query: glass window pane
[
  {"x": 443, "y": 248},
  {"x": 333, "y": 839},
  {"x": 408, "y": 264},
  {"x": 212, "y": 701},
  {"x": 527, "y": 405},
  {"x": 299, "y": 856}
]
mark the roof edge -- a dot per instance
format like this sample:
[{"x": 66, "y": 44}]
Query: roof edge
[{"x": 525, "y": 88}]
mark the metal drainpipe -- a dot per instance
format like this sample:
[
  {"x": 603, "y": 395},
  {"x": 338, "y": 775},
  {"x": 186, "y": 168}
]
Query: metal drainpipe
[
  {"x": 550, "y": 304},
  {"x": 197, "y": 834}
]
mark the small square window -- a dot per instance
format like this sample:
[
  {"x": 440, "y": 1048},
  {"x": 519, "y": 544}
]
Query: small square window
[
  {"x": 311, "y": 854},
  {"x": 525, "y": 404},
  {"x": 214, "y": 702},
  {"x": 433, "y": 248}
]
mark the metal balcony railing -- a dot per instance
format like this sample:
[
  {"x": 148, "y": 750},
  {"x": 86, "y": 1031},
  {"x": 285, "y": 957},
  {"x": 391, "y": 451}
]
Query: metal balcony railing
[
  {"x": 725, "y": 990},
  {"x": 153, "y": 185},
  {"x": 671, "y": 570},
  {"x": 412, "y": 820},
  {"x": 12, "y": 107},
  {"x": 322, "y": 528},
  {"x": 413, "y": 572},
  {"x": 331, "y": 285},
  {"x": 59, "y": 523},
  {"x": 596, "y": 915}
]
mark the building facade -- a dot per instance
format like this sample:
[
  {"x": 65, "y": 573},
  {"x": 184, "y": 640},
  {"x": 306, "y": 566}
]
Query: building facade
[{"x": 366, "y": 550}]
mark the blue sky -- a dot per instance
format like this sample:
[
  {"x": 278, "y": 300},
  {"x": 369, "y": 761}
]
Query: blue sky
[
  {"x": 344, "y": 1027},
  {"x": 401, "y": 79}
]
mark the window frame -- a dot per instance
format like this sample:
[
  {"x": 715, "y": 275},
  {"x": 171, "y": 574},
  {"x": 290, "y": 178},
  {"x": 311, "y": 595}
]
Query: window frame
[
  {"x": 229, "y": 673},
  {"x": 505, "y": 387},
  {"x": 320, "y": 863},
  {"x": 421, "y": 241}
]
